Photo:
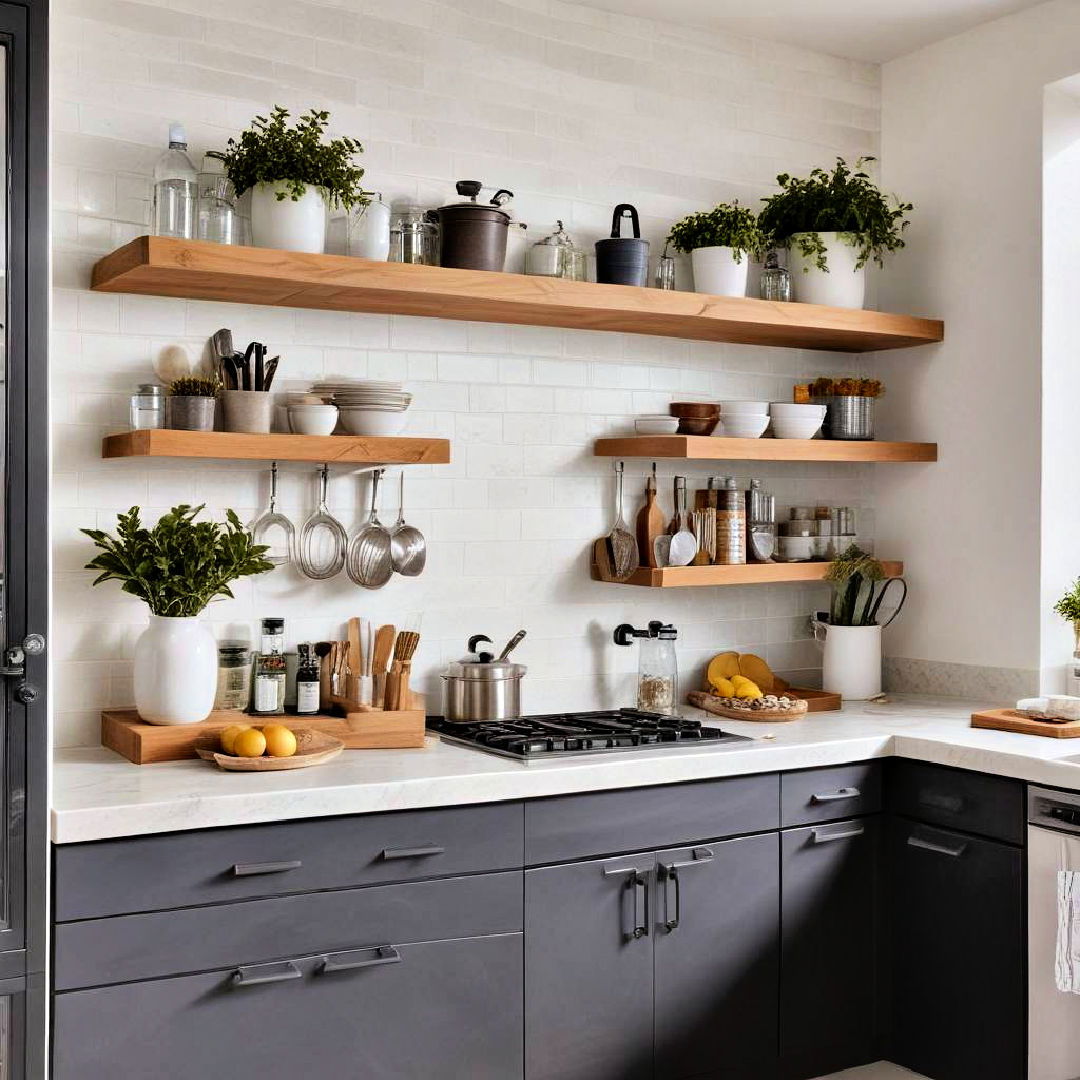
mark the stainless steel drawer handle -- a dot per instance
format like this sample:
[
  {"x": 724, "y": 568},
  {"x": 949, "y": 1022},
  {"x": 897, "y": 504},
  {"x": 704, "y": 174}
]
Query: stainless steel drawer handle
[
  {"x": 421, "y": 852},
  {"x": 835, "y": 796},
  {"x": 260, "y": 974},
  {"x": 252, "y": 869},
  {"x": 701, "y": 857},
  {"x": 359, "y": 958},
  {"x": 819, "y": 836},
  {"x": 938, "y": 849}
]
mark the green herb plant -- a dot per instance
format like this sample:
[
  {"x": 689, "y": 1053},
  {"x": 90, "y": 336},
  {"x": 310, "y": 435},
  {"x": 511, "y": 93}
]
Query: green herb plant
[
  {"x": 844, "y": 201},
  {"x": 854, "y": 577},
  {"x": 726, "y": 225},
  {"x": 179, "y": 565},
  {"x": 193, "y": 387},
  {"x": 1068, "y": 607},
  {"x": 272, "y": 152}
]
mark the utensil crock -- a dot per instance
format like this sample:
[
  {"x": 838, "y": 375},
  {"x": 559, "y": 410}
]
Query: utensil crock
[
  {"x": 247, "y": 410},
  {"x": 623, "y": 260}
]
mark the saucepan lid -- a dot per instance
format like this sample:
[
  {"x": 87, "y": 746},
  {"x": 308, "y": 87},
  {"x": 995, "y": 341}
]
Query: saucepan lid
[{"x": 476, "y": 671}]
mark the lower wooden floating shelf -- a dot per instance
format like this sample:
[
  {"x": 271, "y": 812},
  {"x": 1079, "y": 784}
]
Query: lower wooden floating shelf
[
  {"x": 672, "y": 577},
  {"x": 713, "y": 448}
]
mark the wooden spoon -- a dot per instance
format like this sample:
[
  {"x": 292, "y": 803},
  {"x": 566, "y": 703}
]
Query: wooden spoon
[
  {"x": 650, "y": 523},
  {"x": 397, "y": 679},
  {"x": 384, "y": 645}
]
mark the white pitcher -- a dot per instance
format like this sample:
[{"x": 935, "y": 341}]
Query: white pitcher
[{"x": 852, "y": 664}]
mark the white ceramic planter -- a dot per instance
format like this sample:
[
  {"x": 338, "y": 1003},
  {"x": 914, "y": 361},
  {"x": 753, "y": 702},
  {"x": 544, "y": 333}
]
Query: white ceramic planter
[
  {"x": 716, "y": 271},
  {"x": 852, "y": 664},
  {"x": 289, "y": 225},
  {"x": 175, "y": 671},
  {"x": 841, "y": 286}
]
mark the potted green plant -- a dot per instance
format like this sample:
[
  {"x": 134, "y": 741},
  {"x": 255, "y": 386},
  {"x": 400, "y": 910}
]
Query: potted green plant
[
  {"x": 849, "y": 406},
  {"x": 191, "y": 404},
  {"x": 852, "y": 636},
  {"x": 177, "y": 568},
  {"x": 719, "y": 243},
  {"x": 294, "y": 176},
  {"x": 1068, "y": 607},
  {"x": 834, "y": 223}
]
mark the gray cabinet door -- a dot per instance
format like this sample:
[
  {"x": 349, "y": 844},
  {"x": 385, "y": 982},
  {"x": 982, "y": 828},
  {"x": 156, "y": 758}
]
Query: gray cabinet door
[
  {"x": 446, "y": 1009},
  {"x": 717, "y": 958},
  {"x": 830, "y": 953},
  {"x": 589, "y": 970}
]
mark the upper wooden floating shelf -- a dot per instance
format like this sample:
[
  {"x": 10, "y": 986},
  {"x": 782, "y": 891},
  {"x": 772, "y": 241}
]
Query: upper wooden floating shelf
[
  {"x": 335, "y": 449},
  {"x": 196, "y": 270},
  {"x": 670, "y": 577},
  {"x": 711, "y": 448}
]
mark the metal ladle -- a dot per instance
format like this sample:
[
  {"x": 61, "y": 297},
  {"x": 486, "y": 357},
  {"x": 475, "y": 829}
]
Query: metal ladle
[
  {"x": 321, "y": 523},
  {"x": 408, "y": 548},
  {"x": 368, "y": 562},
  {"x": 264, "y": 525}
]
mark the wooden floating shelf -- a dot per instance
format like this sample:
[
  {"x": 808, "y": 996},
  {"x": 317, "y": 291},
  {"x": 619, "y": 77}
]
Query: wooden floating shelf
[
  {"x": 236, "y": 446},
  {"x": 711, "y": 448},
  {"x": 197, "y": 270},
  {"x": 671, "y": 577}
]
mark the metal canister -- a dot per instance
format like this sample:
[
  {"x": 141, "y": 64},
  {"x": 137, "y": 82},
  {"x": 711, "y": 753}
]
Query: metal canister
[
  {"x": 850, "y": 418},
  {"x": 730, "y": 524}
]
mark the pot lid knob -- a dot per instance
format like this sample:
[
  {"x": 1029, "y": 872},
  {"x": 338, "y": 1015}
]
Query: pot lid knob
[{"x": 469, "y": 188}]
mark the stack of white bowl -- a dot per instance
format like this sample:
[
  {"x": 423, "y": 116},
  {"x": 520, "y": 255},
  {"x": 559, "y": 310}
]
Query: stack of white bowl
[
  {"x": 743, "y": 419},
  {"x": 796, "y": 421},
  {"x": 368, "y": 406},
  {"x": 309, "y": 414}
]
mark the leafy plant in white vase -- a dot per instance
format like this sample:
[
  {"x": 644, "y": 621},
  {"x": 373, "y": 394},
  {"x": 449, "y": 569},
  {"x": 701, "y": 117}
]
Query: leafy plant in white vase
[
  {"x": 177, "y": 568},
  {"x": 720, "y": 243},
  {"x": 834, "y": 223},
  {"x": 295, "y": 177}
]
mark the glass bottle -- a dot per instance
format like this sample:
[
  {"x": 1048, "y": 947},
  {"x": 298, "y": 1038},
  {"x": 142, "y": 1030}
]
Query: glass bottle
[
  {"x": 270, "y": 669},
  {"x": 175, "y": 189},
  {"x": 775, "y": 280},
  {"x": 658, "y": 671},
  {"x": 307, "y": 680},
  {"x": 665, "y": 271}
]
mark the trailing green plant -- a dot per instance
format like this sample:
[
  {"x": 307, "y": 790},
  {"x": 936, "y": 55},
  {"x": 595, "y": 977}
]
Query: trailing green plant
[
  {"x": 270, "y": 151},
  {"x": 193, "y": 387},
  {"x": 844, "y": 201},
  {"x": 847, "y": 387},
  {"x": 726, "y": 225},
  {"x": 1068, "y": 607},
  {"x": 179, "y": 565},
  {"x": 854, "y": 577}
]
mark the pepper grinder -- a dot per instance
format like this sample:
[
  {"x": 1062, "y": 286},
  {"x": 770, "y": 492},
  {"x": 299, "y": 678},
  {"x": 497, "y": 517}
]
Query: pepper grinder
[{"x": 658, "y": 670}]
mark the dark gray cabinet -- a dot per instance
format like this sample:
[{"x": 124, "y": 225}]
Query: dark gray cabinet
[
  {"x": 957, "y": 954},
  {"x": 830, "y": 946}
]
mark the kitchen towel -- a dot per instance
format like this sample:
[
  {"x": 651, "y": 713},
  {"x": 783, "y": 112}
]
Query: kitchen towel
[{"x": 1067, "y": 955}]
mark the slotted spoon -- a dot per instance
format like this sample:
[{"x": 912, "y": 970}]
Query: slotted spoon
[{"x": 320, "y": 530}]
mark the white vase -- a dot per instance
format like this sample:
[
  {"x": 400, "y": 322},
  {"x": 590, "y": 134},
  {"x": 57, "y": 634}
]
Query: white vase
[
  {"x": 176, "y": 663},
  {"x": 288, "y": 224},
  {"x": 716, "y": 271},
  {"x": 852, "y": 664},
  {"x": 841, "y": 286}
]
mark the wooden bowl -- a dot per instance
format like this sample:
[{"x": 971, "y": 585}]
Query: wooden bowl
[
  {"x": 693, "y": 425},
  {"x": 312, "y": 748},
  {"x": 697, "y": 410}
]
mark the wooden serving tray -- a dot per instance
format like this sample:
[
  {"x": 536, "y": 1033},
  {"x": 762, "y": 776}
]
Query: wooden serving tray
[
  {"x": 312, "y": 748},
  {"x": 712, "y": 704},
  {"x": 816, "y": 700},
  {"x": 1011, "y": 720}
]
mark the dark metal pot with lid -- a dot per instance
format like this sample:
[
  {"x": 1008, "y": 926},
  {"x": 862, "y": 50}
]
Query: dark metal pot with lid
[
  {"x": 481, "y": 687},
  {"x": 623, "y": 260},
  {"x": 473, "y": 234}
]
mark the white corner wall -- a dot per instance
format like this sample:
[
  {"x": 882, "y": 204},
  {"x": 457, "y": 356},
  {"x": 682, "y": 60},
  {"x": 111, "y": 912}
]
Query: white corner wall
[{"x": 962, "y": 128}]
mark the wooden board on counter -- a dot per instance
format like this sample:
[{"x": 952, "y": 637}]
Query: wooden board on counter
[
  {"x": 669, "y": 577},
  {"x": 196, "y": 270},
  {"x": 148, "y": 744},
  {"x": 1011, "y": 720},
  {"x": 716, "y": 448}
]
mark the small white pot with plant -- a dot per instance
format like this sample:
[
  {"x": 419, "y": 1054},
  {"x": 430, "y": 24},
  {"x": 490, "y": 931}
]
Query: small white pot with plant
[
  {"x": 720, "y": 243},
  {"x": 1068, "y": 607},
  {"x": 177, "y": 568},
  {"x": 833, "y": 224},
  {"x": 295, "y": 178},
  {"x": 852, "y": 636}
]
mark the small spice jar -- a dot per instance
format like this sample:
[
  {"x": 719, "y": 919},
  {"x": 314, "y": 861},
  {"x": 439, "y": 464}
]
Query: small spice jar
[
  {"x": 775, "y": 280},
  {"x": 148, "y": 407},
  {"x": 234, "y": 675}
]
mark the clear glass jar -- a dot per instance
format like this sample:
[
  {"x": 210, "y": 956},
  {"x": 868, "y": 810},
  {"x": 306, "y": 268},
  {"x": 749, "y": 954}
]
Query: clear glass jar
[
  {"x": 658, "y": 671},
  {"x": 556, "y": 256},
  {"x": 665, "y": 271},
  {"x": 217, "y": 220},
  {"x": 775, "y": 280},
  {"x": 234, "y": 676},
  {"x": 414, "y": 236},
  {"x": 148, "y": 407}
]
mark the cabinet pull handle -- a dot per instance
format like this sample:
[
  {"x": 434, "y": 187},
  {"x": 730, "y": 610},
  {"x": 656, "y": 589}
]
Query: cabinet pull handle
[
  {"x": 640, "y": 882},
  {"x": 819, "y": 836},
  {"x": 346, "y": 961},
  {"x": 251, "y": 869},
  {"x": 835, "y": 796},
  {"x": 939, "y": 849},
  {"x": 260, "y": 974},
  {"x": 951, "y": 803},
  {"x": 702, "y": 856},
  {"x": 423, "y": 851}
]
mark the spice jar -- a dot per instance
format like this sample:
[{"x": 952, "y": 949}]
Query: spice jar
[
  {"x": 658, "y": 672},
  {"x": 234, "y": 675},
  {"x": 775, "y": 280},
  {"x": 148, "y": 407}
]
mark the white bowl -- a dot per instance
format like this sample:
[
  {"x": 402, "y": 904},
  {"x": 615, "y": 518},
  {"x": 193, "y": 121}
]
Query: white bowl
[
  {"x": 796, "y": 429},
  {"x": 372, "y": 422},
  {"x": 656, "y": 425},
  {"x": 744, "y": 408},
  {"x": 787, "y": 410},
  {"x": 313, "y": 419},
  {"x": 742, "y": 427}
]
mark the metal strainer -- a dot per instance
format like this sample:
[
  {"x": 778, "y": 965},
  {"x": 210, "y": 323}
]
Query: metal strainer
[{"x": 322, "y": 543}]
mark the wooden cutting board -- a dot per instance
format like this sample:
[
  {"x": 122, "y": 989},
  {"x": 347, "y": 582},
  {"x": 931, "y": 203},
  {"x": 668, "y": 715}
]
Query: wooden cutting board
[{"x": 1011, "y": 720}]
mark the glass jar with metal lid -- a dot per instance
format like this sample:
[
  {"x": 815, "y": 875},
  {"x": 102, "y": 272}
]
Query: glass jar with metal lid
[
  {"x": 556, "y": 256},
  {"x": 414, "y": 236}
]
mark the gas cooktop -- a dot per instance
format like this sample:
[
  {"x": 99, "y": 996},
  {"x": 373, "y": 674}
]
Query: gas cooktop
[{"x": 532, "y": 738}]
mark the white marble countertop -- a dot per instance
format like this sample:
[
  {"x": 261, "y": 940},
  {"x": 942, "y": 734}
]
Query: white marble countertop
[{"x": 96, "y": 794}]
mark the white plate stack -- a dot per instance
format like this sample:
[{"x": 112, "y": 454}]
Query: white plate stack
[{"x": 368, "y": 406}]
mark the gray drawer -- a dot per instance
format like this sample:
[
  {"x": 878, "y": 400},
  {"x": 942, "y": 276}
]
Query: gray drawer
[
  {"x": 829, "y": 794},
  {"x": 973, "y": 802},
  {"x": 95, "y": 952},
  {"x": 115, "y": 877},
  {"x": 639, "y": 819}
]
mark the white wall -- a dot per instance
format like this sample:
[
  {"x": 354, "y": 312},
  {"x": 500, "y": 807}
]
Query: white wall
[
  {"x": 962, "y": 139},
  {"x": 574, "y": 109}
]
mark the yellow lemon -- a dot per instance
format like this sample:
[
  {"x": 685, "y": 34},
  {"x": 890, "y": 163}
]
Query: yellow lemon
[
  {"x": 748, "y": 690},
  {"x": 249, "y": 743},
  {"x": 280, "y": 741},
  {"x": 739, "y": 680},
  {"x": 724, "y": 687},
  {"x": 228, "y": 737}
]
